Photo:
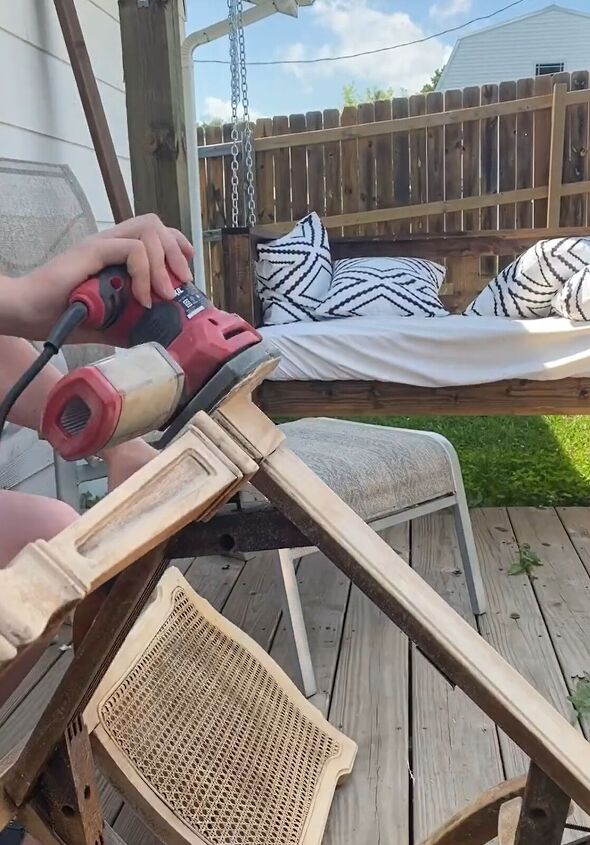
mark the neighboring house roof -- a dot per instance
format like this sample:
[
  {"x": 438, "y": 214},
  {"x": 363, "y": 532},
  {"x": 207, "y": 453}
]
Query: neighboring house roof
[{"x": 554, "y": 7}]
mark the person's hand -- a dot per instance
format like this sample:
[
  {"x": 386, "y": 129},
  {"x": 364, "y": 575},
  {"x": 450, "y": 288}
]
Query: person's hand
[{"x": 144, "y": 244}]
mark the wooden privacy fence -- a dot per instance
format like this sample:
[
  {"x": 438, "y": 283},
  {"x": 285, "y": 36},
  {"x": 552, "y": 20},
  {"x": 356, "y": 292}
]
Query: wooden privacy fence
[{"x": 503, "y": 156}]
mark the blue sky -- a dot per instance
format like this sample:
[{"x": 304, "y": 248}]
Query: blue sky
[{"x": 336, "y": 27}]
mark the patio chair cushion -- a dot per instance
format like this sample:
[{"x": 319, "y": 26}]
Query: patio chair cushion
[{"x": 375, "y": 469}]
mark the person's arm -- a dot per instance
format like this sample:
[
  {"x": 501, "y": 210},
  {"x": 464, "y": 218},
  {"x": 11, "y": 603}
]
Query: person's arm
[
  {"x": 16, "y": 355},
  {"x": 30, "y": 305}
]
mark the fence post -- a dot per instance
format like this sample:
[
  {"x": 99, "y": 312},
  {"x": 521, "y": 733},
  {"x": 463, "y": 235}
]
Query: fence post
[{"x": 556, "y": 155}]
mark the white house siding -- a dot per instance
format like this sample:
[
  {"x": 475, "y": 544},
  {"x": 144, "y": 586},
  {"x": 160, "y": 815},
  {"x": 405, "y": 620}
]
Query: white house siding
[
  {"x": 41, "y": 118},
  {"x": 512, "y": 50}
]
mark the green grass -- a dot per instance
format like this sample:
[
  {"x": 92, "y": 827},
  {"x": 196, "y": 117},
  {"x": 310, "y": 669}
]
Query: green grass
[{"x": 516, "y": 460}]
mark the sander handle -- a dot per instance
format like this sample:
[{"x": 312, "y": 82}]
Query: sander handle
[{"x": 104, "y": 296}]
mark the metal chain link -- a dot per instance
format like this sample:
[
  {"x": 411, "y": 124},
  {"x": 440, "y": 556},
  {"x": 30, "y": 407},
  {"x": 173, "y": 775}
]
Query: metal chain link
[
  {"x": 235, "y": 97},
  {"x": 247, "y": 138},
  {"x": 239, "y": 86}
]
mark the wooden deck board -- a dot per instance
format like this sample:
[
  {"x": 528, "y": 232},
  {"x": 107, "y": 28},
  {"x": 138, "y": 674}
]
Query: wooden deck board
[
  {"x": 370, "y": 704},
  {"x": 514, "y": 624},
  {"x": 456, "y": 753},
  {"x": 364, "y": 667},
  {"x": 324, "y": 596},
  {"x": 562, "y": 588}
]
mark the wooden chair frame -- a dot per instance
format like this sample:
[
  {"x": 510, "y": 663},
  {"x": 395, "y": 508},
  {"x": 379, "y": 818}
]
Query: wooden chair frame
[
  {"x": 139, "y": 524},
  {"x": 462, "y": 253}
]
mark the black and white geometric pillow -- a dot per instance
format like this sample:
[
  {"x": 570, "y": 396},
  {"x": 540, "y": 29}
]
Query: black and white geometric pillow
[
  {"x": 375, "y": 286},
  {"x": 526, "y": 288},
  {"x": 296, "y": 270},
  {"x": 277, "y": 311},
  {"x": 573, "y": 300}
]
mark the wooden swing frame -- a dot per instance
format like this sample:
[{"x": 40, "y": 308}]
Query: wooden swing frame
[{"x": 463, "y": 254}]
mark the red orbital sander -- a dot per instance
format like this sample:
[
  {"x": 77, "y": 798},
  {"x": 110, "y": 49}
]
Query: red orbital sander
[{"x": 184, "y": 355}]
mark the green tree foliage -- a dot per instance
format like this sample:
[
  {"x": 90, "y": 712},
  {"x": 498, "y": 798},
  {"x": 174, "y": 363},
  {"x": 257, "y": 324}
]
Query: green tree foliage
[
  {"x": 430, "y": 86},
  {"x": 351, "y": 97}
]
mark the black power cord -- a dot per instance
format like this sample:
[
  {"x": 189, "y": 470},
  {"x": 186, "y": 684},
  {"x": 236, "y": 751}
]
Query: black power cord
[{"x": 70, "y": 319}]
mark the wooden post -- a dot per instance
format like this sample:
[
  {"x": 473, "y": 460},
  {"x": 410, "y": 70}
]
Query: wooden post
[
  {"x": 94, "y": 111},
  {"x": 544, "y": 812},
  {"x": 150, "y": 35},
  {"x": 68, "y": 796},
  {"x": 556, "y": 155},
  {"x": 238, "y": 274}
]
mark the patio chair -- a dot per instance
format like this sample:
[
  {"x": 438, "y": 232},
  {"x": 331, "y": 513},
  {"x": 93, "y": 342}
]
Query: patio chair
[{"x": 388, "y": 476}]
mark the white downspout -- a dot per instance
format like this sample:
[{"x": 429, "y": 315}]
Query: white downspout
[{"x": 192, "y": 151}]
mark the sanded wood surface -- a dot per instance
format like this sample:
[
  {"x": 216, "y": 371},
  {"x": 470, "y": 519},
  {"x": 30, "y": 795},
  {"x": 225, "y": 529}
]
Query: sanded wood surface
[{"x": 46, "y": 579}]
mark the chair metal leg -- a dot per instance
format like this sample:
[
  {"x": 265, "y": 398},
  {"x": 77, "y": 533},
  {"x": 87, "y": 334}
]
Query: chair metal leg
[
  {"x": 293, "y": 614},
  {"x": 475, "y": 585}
]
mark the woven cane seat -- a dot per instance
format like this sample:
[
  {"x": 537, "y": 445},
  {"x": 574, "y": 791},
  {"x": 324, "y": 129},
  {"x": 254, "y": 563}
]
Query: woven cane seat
[
  {"x": 375, "y": 469},
  {"x": 207, "y": 737}
]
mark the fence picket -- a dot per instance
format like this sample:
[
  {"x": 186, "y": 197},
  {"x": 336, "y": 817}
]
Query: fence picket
[
  {"x": 332, "y": 167},
  {"x": 541, "y": 148},
  {"x": 524, "y": 155},
  {"x": 366, "y": 153},
  {"x": 575, "y": 163},
  {"x": 297, "y": 123},
  {"x": 280, "y": 126},
  {"x": 265, "y": 199},
  {"x": 315, "y": 164},
  {"x": 452, "y": 163},
  {"x": 401, "y": 163},
  {"x": 418, "y": 161},
  {"x": 435, "y": 158},
  {"x": 350, "y": 172},
  {"x": 383, "y": 166},
  {"x": 489, "y": 171}
]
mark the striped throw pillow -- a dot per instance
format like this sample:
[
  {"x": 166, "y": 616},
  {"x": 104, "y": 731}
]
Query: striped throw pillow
[
  {"x": 294, "y": 273},
  {"x": 376, "y": 286},
  {"x": 527, "y": 288},
  {"x": 573, "y": 300}
]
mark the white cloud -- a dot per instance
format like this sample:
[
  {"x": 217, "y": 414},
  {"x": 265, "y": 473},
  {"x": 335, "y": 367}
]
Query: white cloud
[
  {"x": 355, "y": 26},
  {"x": 449, "y": 9},
  {"x": 214, "y": 108}
]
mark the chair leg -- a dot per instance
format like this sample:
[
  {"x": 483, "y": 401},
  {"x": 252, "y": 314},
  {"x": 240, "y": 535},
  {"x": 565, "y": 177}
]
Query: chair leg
[
  {"x": 469, "y": 556},
  {"x": 293, "y": 614}
]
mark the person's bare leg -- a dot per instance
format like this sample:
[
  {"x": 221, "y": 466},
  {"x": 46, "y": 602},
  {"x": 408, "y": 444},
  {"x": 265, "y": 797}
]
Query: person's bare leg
[{"x": 24, "y": 518}]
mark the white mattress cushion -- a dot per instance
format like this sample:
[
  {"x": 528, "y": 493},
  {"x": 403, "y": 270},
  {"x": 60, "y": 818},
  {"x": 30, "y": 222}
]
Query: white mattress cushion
[
  {"x": 527, "y": 287},
  {"x": 456, "y": 350}
]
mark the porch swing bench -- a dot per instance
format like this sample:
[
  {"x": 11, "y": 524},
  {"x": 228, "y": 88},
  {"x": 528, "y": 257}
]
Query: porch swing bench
[{"x": 465, "y": 256}]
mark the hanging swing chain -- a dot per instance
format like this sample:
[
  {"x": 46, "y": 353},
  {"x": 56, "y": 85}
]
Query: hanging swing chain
[
  {"x": 247, "y": 143},
  {"x": 235, "y": 97},
  {"x": 239, "y": 86}
]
